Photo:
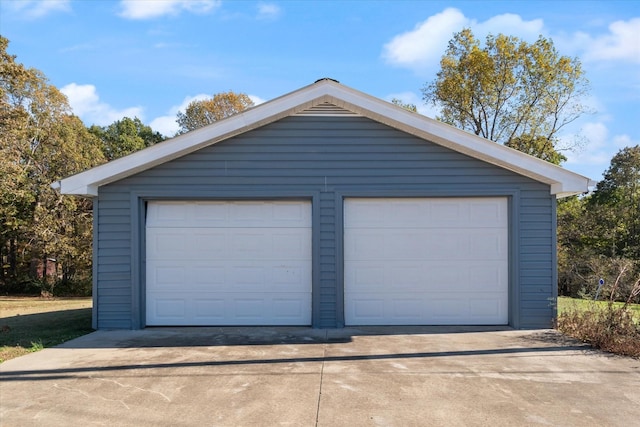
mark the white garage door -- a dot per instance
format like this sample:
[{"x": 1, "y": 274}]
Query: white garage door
[
  {"x": 228, "y": 263},
  {"x": 436, "y": 261}
]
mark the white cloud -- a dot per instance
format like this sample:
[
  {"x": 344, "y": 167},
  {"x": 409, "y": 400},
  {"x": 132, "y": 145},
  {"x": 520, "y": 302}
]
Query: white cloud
[
  {"x": 149, "y": 9},
  {"x": 621, "y": 43},
  {"x": 422, "y": 47},
  {"x": 86, "y": 104},
  {"x": 268, "y": 11},
  {"x": 256, "y": 99},
  {"x": 33, "y": 9},
  {"x": 509, "y": 24},
  {"x": 598, "y": 150},
  {"x": 622, "y": 141},
  {"x": 166, "y": 125}
]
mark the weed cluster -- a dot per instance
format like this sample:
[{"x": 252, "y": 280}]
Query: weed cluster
[{"x": 611, "y": 327}]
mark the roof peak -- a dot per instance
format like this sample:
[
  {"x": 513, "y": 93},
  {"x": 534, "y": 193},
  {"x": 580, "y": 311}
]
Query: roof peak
[{"x": 326, "y": 79}]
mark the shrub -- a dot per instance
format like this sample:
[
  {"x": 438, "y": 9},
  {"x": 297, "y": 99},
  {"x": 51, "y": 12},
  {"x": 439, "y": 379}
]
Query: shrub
[{"x": 611, "y": 327}]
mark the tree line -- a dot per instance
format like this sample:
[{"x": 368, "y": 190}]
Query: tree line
[
  {"x": 45, "y": 238},
  {"x": 522, "y": 95},
  {"x": 512, "y": 92}
]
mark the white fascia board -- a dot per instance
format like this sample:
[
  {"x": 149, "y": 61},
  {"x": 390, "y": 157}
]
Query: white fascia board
[
  {"x": 562, "y": 182},
  {"x": 86, "y": 183}
]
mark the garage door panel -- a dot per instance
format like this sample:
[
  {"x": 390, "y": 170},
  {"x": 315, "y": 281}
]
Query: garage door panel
[
  {"x": 487, "y": 308},
  {"x": 207, "y": 242},
  {"x": 292, "y": 244},
  {"x": 204, "y": 276},
  {"x": 208, "y": 214},
  {"x": 425, "y": 244},
  {"x": 288, "y": 276},
  {"x": 290, "y": 215},
  {"x": 261, "y": 243},
  {"x": 433, "y": 275},
  {"x": 364, "y": 274},
  {"x": 445, "y": 213},
  {"x": 364, "y": 245},
  {"x": 228, "y": 263},
  {"x": 167, "y": 214},
  {"x": 170, "y": 242},
  {"x": 169, "y": 308},
  {"x": 407, "y": 213},
  {"x": 284, "y": 276},
  {"x": 289, "y": 308},
  {"x": 369, "y": 310},
  {"x": 164, "y": 243},
  {"x": 209, "y": 310},
  {"x": 489, "y": 277},
  {"x": 406, "y": 276},
  {"x": 230, "y": 309},
  {"x": 248, "y": 278},
  {"x": 249, "y": 308},
  {"x": 426, "y": 261},
  {"x": 446, "y": 308},
  {"x": 383, "y": 244},
  {"x": 228, "y": 214},
  {"x": 431, "y": 308},
  {"x": 166, "y": 275}
]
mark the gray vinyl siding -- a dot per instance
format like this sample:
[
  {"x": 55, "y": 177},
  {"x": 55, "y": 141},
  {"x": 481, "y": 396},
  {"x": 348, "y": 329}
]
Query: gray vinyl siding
[{"x": 323, "y": 159}]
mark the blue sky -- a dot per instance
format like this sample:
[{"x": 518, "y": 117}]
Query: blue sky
[{"x": 149, "y": 58}]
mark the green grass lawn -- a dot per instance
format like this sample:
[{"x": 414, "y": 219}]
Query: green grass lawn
[
  {"x": 567, "y": 303},
  {"x": 30, "y": 324}
]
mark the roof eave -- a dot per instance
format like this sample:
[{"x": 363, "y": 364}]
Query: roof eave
[
  {"x": 561, "y": 181},
  {"x": 192, "y": 141}
]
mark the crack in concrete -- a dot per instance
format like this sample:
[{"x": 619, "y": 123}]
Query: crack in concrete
[{"x": 324, "y": 358}]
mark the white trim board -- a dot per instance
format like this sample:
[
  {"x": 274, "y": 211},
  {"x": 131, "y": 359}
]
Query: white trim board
[{"x": 562, "y": 182}]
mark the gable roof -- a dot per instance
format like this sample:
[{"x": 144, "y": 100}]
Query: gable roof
[{"x": 328, "y": 97}]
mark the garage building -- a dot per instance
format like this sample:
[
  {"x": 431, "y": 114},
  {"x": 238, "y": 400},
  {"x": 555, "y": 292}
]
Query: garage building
[{"x": 325, "y": 207}]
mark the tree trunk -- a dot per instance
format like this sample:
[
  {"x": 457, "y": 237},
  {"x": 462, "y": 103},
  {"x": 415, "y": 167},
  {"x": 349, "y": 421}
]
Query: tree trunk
[{"x": 13, "y": 264}]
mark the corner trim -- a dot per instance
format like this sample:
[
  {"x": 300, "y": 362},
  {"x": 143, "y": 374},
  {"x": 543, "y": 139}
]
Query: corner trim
[{"x": 94, "y": 264}]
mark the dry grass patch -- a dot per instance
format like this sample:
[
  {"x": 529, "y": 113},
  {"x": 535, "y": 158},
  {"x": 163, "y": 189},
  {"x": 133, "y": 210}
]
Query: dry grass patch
[
  {"x": 30, "y": 324},
  {"x": 612, "y": 327}
]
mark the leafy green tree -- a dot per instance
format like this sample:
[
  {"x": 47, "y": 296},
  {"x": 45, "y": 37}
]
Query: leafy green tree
[
  {"x": 575, "y": 228},
  {"x": 599, "y": 235},
  {"x": 540, "y": 146},
  {"x": 25, "y": 103},
  {"x": 204, "y": 112},
  {"x": 62, "y": 225},
  {"x": 406, "y": 106},
  {"x": 40, "y": 142},
  {"x": 509, "y": 91},
  {"x": 125, "y": 136},
  {"x": 616, "y": 199}
]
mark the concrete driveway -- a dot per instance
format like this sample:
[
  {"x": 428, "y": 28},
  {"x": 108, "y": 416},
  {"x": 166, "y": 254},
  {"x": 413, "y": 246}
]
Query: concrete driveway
[{"x": 304, "y": 377}]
